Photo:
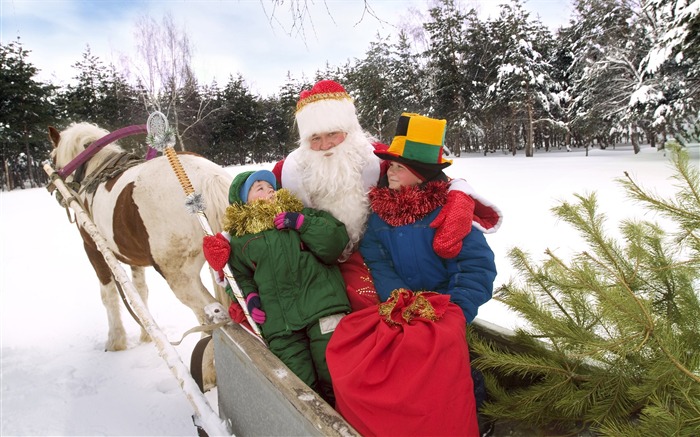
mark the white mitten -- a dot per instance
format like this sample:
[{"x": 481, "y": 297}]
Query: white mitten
[{"x": 220, "y": 278}]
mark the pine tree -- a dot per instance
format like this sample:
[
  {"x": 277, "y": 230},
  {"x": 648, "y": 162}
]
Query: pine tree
[
  {"x": 82, "y": 101},
  {"x": 237, "y": 125},
  {"x": 609, "y": 42},
  {"x": 674, "y": 61},
  {"x": 613, "y": 336},
  {"x": 408, "y": 82},
  {"x": 25, "y": 111},
  {"x": 370, "y": 83},
  {"x": 523, "y": 80},
  {"x": 445, "y": 66}
]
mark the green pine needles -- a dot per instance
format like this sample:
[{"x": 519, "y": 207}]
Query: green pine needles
[{"x": 613, "y": 342}]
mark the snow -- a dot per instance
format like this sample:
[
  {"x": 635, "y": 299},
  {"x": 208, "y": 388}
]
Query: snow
[{"x": 57, "y": 379}]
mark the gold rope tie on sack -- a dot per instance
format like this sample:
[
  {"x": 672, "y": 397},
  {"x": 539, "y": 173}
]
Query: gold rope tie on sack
[{"x": 420, "y": 307}]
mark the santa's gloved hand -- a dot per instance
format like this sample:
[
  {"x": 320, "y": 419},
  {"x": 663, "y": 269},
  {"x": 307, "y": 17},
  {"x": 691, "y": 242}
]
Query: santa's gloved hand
[
  {"x": 453, "y": 223},
  {"x": 289, "y": 220},
  {"x": 216, "y": 250},
  {"x": 254, "y": 304}
]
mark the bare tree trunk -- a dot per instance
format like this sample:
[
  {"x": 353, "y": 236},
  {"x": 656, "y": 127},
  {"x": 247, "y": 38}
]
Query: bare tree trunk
[
  {"x": 165, "y": 52},
  {"x": 178, "y": 135},
  {"x": 652, "y": 137},
  {"x": 529, "y": 152},
  {"x": 634, "y": 137},
  {"x": 8, "y": 179},
  {"x": 30, "y": 161},
  {"x": 662, "y": 144}
]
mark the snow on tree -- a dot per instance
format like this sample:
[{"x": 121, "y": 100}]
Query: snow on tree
[
  {"x": 523, "y": 80},
  {"x": 674, "y": 59}
]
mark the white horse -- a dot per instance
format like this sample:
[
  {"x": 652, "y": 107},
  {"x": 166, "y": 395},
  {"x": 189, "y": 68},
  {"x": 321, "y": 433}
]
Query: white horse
[{"x": 141, "y": 213}]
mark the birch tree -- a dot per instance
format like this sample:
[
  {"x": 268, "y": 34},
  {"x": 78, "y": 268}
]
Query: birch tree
[{"x": 166, "y": 75}]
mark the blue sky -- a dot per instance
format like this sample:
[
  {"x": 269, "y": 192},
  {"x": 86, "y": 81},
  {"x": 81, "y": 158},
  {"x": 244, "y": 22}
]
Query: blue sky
[{"x": 227, "y": 36}]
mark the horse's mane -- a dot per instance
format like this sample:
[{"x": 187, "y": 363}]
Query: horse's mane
[{"x": 76, "y": 138}]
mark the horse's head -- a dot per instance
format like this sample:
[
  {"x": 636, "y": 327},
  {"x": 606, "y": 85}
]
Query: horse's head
[
  {"x": 70, "y": 142},
  {"x": 55, "y": 138}
]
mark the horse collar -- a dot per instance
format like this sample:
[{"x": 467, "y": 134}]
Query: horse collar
[
  {"x": 93, "y": 148},
  {"x": 80, "y": 173}
]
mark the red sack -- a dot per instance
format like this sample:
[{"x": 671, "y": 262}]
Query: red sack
[
  {"x": 358, "y": 283},
  {"x": 404, "y": 370}
]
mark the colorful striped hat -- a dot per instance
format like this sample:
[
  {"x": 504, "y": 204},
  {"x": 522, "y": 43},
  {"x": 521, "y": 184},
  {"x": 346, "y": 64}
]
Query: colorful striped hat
[{"x": 418, "y": 143}]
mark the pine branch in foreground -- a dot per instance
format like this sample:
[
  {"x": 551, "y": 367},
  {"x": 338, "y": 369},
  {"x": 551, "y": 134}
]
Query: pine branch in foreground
[{"x": 612, "y": 342}]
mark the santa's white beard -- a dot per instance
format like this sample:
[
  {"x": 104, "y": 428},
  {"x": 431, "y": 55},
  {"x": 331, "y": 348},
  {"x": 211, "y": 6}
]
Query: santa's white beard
[{"x": 333, "y": 181}]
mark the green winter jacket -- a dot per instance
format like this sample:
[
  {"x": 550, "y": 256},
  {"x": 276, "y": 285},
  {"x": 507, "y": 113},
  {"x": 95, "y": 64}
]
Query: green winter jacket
[{"x": 294, "y": 272}]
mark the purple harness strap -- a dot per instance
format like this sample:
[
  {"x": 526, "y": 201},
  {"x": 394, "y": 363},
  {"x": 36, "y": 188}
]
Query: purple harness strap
[{"x": 97, "y": 145}]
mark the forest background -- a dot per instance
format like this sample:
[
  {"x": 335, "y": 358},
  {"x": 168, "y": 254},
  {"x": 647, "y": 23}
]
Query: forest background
[{"x": 620, "y": 71}]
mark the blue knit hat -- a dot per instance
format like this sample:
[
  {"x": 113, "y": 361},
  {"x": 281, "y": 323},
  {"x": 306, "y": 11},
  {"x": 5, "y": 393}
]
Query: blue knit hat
[{"x": 238, "y": 192}]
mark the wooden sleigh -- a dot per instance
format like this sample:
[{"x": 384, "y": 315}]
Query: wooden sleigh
[{"x": 257, "y": 393}]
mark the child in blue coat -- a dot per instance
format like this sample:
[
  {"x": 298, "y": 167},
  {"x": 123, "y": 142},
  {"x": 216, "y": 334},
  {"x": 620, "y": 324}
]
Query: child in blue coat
[{"x": 397, "y": 245}]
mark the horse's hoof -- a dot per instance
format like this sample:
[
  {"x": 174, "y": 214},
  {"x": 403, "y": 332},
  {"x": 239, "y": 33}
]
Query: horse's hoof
[{"x": 115, "y": 346}]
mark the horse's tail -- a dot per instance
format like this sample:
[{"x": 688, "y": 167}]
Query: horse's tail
[{"x": 215, "y": 194}]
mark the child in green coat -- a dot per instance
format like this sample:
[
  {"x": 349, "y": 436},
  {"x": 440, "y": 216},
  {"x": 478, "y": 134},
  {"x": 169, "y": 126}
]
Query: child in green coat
[{"x": 283, "y": 257}]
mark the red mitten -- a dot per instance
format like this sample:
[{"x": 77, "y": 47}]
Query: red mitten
[
  {"x": 216, "y": 250},
  {"x": 236, "y": 313},
  {"x": 453, "y": 224}
]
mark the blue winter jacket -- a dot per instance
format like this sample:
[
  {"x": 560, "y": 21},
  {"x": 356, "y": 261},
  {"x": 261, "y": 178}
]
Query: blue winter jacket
[{"x": 403, "y": 257}]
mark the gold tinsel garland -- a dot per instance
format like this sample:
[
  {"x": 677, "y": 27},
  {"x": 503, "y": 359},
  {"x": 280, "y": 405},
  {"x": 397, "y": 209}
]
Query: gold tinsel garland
[{"x": 259, "y": 215}]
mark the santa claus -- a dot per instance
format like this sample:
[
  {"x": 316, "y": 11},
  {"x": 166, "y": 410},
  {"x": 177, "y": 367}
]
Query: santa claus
[{"x": 334, "y": 168}]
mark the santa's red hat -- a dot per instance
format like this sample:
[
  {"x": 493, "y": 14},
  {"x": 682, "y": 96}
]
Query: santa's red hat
[{"x": 326, "y": 107}]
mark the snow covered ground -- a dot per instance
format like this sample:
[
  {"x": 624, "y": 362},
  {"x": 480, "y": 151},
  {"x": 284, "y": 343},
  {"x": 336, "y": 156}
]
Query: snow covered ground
[{"x": 57, "y": 379}]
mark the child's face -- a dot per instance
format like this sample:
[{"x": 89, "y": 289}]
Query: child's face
[
  {"x": 400, "y": 176},
  {"x": 261, "y": 190}
]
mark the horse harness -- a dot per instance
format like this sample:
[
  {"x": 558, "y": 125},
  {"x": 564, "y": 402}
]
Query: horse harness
[{"x": 112, "y": 168}]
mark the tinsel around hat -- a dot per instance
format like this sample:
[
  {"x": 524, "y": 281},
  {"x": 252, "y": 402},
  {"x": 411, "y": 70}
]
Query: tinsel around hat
[{"x": 326, "y": 107}]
